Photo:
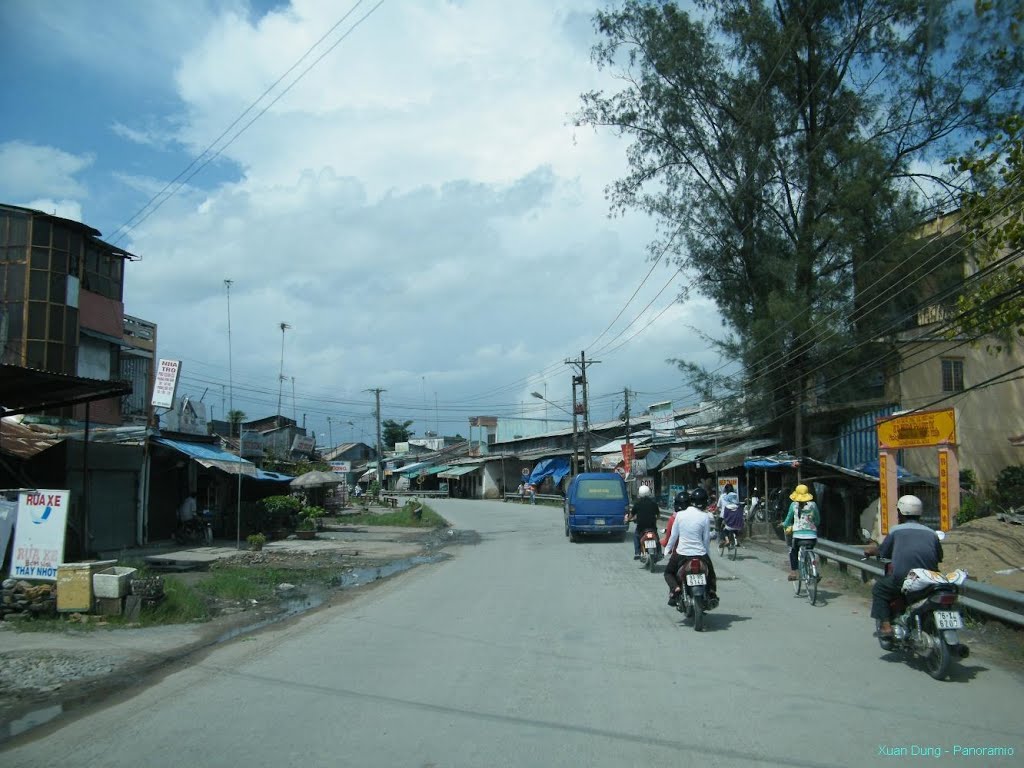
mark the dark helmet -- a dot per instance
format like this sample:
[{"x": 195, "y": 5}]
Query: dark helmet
[
  {"x": 682, "y": 501},
  {"x": 699, "y": 498}
]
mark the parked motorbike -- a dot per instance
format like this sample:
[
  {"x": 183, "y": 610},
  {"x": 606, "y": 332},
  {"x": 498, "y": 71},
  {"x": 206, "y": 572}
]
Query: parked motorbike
[
  {"x": 196, "y": 530},
  {"x": 695, "y": 600},
  {"x": 649, "y": 554},
  {"x": 927, "y": 618}
]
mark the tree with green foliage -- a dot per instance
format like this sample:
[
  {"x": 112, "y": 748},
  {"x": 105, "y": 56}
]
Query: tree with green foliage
[
  {"x": 785, "y": 149},
  {"x": 991, "y": 213},
  {"x": 395, "y": 432},
  {"x": 235, "y": 419},
  {"x": 992, "y": 216}
]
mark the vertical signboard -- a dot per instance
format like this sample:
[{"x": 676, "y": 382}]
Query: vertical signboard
[
  {"x": 883, "y": 493},
  {"x": 39, "y": 534},
  {"x": 628, "y": 453},
  {"x": 944, "y": 491},
  {"x": 166, "y": 383},
  {"x": 8, "y": 514}
]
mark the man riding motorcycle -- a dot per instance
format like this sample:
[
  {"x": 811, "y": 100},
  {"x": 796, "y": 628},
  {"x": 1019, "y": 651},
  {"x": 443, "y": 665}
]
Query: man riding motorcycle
[
  {"x": 645, "y": 514},
  {"x": 908, "y": 545},
  {"x": 691, "y": 537}
]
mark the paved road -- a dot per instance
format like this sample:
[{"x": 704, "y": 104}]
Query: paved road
[{"x": 526, "y": 650}]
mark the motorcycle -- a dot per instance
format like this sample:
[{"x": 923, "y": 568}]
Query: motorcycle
[
  {"x": 695, "y": 600},
  {"x": 927, "y": 618},
  {"x": 196, "y": 530},
  {"x": 649, "y": 553}
]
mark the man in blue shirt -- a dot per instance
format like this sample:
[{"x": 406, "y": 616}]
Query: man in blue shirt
[{"x": 909, "y": 545}]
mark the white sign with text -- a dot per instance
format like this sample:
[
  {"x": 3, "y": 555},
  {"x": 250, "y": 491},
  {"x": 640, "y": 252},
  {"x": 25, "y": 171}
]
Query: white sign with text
[
  {"x": 166, "y": 383},
  {"x": 39, "y": 534}
]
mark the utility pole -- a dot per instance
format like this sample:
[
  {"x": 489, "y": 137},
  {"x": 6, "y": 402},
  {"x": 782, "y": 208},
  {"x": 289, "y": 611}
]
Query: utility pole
[
  {"x": 625, "y": 393},
  {"x": 295, "y": 414},
  {"x": 380, "y": 474},
  {"x": 330, "y": 434},
  {"x": 576, "y": 380},
  {"x": 280, "y": 375},
  {"x": 582, "y": 364}
]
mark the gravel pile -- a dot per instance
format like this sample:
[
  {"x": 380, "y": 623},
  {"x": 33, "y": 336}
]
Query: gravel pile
[{"x": 45, "y": 671}]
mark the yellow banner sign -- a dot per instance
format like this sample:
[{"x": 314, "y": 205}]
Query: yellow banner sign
[{"x": 918, "y": 430}]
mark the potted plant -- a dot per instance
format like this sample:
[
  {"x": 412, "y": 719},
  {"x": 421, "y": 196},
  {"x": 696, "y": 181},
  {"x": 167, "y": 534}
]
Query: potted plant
[
  {"x": 308, "y": 522},
  {"x": 256, "y": 541}
]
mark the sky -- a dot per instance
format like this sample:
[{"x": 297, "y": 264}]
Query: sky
[{"x": 408, "y": 195}]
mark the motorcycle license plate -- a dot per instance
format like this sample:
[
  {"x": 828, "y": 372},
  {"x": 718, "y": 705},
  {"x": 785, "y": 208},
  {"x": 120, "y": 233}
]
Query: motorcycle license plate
[
  {"x": 599, "y": 521},
  {"x": 948, "y": 620},
  {"x": 696, "y": 579},
  {"x": 650, "y": 545}
]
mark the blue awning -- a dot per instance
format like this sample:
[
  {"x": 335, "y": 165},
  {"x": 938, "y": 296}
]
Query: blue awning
[
  {"x": 210, "y": 456},
  {"x": 274, "y": 477}
]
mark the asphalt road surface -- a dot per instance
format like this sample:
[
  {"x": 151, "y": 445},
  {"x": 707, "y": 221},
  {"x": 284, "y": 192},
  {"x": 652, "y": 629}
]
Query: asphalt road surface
[{"x": 526, "y": 650}]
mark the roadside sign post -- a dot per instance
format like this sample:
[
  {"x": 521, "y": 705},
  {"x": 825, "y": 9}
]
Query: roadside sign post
[{"x": 922, "y": 429}]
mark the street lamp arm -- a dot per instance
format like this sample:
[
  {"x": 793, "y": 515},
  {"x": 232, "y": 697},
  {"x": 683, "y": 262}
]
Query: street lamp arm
[{"x": 539, "y": 396}]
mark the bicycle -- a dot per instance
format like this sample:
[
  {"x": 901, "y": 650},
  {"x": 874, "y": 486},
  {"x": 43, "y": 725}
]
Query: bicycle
[
  {"x": 778, "y": 505},
  {"x": 807, "y": 570},
  {"x": 727, "y": 538}
]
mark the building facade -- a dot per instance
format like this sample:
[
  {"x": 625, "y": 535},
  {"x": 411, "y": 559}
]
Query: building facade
[{"x": 62, "y": 310}]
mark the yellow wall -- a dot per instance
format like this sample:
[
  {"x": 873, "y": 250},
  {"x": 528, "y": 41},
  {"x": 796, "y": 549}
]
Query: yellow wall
[{"x": 986, "y": 418}]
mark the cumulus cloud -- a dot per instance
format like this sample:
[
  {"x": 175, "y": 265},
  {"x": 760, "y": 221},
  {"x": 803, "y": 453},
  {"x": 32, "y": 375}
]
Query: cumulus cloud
[
  {"x": 417, "y": 208},
  {"x": 32, "y": 170}
]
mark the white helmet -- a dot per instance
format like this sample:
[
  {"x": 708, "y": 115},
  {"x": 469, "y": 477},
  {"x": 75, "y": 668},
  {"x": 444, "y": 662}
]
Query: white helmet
[
  {"x": 910, "y": 506},
  {"x": 644, "y": 491}
]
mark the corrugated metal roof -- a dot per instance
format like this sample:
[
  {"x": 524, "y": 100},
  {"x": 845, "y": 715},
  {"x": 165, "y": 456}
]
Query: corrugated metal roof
[
  {"x": 211, "y": 457},
  {"x": 24, "y": 441},
  {"x": 687, "y": 456},
  {"x": 734, "y": 455},
  {"x": 453, "y": 472}
]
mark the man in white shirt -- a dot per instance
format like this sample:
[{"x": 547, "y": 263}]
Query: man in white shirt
[
  {"x": 691, "y": 537},
  {"x": 187, "y": 510}
]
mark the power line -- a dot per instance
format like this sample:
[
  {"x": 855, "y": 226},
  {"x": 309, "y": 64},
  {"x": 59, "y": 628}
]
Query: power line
[{"x": 142, "y": 214}]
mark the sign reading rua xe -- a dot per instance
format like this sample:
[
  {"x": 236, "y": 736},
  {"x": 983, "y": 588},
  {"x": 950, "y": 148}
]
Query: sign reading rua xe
[
  {"x": 918, "y": 430},
  {"x": 39, "y": 534}
]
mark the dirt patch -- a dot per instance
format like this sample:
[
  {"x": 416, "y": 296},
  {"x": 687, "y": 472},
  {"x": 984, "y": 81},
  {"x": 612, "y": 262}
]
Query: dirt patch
[{"x": 989, "y": 550}]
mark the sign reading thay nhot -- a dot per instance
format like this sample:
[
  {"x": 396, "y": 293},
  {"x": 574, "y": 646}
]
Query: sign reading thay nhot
[{"x": 39, "y": 534}]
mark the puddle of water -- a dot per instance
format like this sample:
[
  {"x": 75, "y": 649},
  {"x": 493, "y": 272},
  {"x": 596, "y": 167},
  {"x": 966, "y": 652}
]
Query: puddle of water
[
  {"x": 29, "y": 721},
  {"x": 297, "y": 605},
  {"x": 358, "y": 576}
]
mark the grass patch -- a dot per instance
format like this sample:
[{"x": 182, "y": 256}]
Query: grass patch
[
  {"x": 181, "y": 604},
  {"x": 403, "y": 517},
  {"x": 241, "y": 583}
]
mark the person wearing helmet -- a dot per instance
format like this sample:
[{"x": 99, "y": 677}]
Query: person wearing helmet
[
  {"x": 691, "y": 537},
  {"x": 909, "y": 545},
  {"x": 645, "y": 514},
  {"x": 681, "y": 502},
  {"x": 802, "y": 522}
]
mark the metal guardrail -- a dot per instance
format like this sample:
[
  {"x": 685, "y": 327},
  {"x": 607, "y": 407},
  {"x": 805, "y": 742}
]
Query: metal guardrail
[
  {"x": 1003, "y": 604},
  {"x": 513, "y": 496}
]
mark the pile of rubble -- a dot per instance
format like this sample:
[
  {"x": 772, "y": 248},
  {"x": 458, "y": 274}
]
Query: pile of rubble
[{"x": 21, "y": 599}]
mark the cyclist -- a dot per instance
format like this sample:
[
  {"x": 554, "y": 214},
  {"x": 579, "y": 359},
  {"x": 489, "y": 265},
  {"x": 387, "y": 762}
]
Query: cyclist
[
  {"x": 802, "y": 522},
  {"x": 730, "y": 513}
]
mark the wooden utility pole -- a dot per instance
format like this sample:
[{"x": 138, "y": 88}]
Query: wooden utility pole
[
  {"x": 380, "y": 474},
  {"x": 581, "y": 379}
]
